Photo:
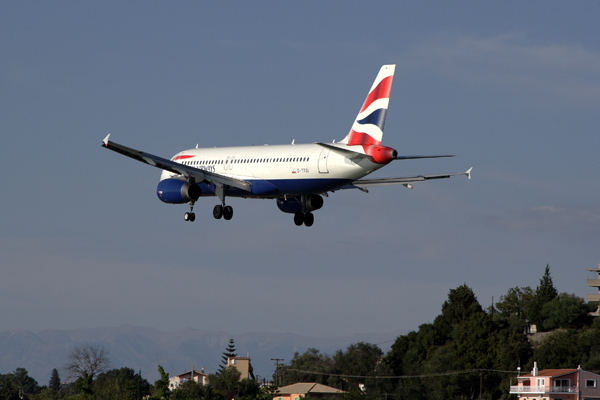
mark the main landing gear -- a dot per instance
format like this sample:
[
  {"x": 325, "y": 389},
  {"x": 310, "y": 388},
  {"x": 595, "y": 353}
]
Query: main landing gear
[
  {"x": 223, "y": 211},
  {"x": 306, "y": 218}
]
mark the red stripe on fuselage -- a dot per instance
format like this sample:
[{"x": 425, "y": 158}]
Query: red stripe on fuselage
[{"x": 181, "y": 157}]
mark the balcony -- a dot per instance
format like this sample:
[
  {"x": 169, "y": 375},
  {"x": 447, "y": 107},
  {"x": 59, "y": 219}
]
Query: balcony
[
  {"x": 543, "y": 389},
  {"x": 593, "y": 282}
]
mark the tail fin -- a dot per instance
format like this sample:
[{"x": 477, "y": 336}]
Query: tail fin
[{"x": 368, "y": 125}]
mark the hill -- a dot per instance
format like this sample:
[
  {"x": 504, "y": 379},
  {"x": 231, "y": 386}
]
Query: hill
[{"x": 143, "y": 348}]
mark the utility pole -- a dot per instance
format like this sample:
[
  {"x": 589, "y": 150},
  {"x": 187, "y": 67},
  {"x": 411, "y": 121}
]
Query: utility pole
[{"x": 276, "y": 369}]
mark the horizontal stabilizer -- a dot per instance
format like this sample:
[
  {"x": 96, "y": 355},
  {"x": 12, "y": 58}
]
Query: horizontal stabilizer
[{"x": 417, "y": 157}]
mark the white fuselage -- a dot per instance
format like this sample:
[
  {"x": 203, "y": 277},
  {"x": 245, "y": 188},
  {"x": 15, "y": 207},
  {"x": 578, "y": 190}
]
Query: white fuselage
[{"x": 293, "y": 169}]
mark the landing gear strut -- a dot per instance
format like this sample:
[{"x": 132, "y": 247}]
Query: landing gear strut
[
  {"x": 190, "y": 216},
  {"x": 221, "y": 210},
  {"x": 305, "y": 217}
]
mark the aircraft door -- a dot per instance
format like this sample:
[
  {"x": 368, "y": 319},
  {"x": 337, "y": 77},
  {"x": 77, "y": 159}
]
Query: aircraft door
[{"x": 323, "y": 161}]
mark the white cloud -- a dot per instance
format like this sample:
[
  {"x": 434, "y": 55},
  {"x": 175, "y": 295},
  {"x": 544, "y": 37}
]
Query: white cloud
[{"x": 549, "y": 74}]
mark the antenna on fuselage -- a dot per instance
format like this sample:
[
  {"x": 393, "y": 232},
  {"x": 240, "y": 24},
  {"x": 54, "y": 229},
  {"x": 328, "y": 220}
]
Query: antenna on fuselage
[{"x": 293, "y": 141}]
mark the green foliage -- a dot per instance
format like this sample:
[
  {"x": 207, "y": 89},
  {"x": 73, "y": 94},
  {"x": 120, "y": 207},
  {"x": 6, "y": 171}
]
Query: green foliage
[
  {"x": 359, "y": 359},
  {"x": 189, "y": 390},
  {"x": 229, "y": 352},
  {"x": 565, "y": 311},
  {"x": 122, "y": 384},
  {"x": 516, "y": 306},
  {"x": 226, "y": 383},
  {"x": 84, "y": 384},
  {"x": 8, "y": 391},
  {"x": 18, "y": 383},
  {"x": 161, "y": 386},
  {"x": 544, "y": 293},
  {"x": 303, "y": 366},
  {"x": 54, "y": 383},
  {"x": 570, "y": 348},
  {"x": 462, "y": 338}
]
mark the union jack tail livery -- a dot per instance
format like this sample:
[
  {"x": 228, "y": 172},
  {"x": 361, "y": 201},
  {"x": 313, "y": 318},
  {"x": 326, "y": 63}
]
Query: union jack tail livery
[{"x": 368, "y": 125}]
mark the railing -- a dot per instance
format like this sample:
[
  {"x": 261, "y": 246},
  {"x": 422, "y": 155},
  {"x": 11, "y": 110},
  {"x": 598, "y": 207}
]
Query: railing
[
  {"x": 543, "y": 389},
  {"x": 527, "y": 389}
]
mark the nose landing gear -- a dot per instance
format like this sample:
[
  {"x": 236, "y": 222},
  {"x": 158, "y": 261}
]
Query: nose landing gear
[{"x": 190, "y": 216}]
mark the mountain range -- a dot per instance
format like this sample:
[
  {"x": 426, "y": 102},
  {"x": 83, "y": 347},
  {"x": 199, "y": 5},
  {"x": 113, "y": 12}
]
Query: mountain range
[{"x": 142, "y": 348}]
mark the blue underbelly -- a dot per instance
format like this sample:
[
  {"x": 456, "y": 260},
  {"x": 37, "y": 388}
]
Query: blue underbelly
[{"x": 280, "y": 187}]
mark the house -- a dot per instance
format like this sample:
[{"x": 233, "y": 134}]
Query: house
[
  {"x": 243, "y": 365},
  {"x": 557, "y": 384},
  {"x": 298, "y": 390},
  {"x": 199, "y": 376}
]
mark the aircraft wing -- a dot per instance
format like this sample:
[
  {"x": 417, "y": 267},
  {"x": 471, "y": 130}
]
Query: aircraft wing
[
  {"x": 190, "y": 173},
  {"x": 406, "y": 181}
]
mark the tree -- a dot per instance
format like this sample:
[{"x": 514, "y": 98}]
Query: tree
[
  {"x": 544, "y": 293},
  {"x": 123, "y": 384},
  {"x": 359, "y": 359},
  {"x": 460, "y": 306},
  {"x": 161, "y": 386},
  {"x": 189, "y": 390},
  {"x": 54, "y": 383},
  {"x": 308, "y": 366},
  {"x": 86, "y": 361},
  {"x": 18, "y": 385},
  {"x": 227, "y": 382},
  {"x": 229, "y": 352},
  {"x": 565, "y": 311},
  {"x": 8, "y": 390}
]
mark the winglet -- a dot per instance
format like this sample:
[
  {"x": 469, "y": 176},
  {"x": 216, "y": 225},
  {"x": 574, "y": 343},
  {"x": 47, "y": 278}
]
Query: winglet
[
  {"x": 105, "y": 141},
  {"x": 468, "y": 173}
]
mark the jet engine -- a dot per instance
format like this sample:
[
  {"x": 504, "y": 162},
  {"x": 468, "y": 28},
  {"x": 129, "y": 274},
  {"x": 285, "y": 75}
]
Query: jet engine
[
  {"x": 292, "y": 206},
  {"x": 177, "y": 191}
]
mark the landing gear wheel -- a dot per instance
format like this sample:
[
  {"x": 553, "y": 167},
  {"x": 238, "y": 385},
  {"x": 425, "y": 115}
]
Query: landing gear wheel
[
  {"x": 299, "y": 218},
  {"x": 218, "y": 211},
  {"x": 309, "y": 219},
  {"x": 227, "y": 212},
  {"x": 189, "y": 216}
]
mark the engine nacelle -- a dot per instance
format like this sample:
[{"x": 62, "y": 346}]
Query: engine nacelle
[
  {"x": 177, "y": 191},
  {"x": 293, "y": 206}
]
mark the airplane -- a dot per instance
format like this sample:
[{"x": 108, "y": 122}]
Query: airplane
[{"x": 297, "y": 176}]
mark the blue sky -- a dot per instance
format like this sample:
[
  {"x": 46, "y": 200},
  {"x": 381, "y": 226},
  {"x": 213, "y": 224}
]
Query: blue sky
[{"x": 511, "y": 88}]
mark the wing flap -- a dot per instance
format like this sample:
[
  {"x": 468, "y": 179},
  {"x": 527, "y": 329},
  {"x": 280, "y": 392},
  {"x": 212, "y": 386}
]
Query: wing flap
[{"x": 188, "y": 172}]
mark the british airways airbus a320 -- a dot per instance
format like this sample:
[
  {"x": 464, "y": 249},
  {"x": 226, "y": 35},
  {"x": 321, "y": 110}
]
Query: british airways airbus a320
[{"x": 296, "y": 175}]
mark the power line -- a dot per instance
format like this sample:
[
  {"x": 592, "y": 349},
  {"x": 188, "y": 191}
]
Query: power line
[{"x": 468, "y": 371}]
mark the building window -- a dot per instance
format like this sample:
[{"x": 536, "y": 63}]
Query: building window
[{"x": 590, "y": 383}]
